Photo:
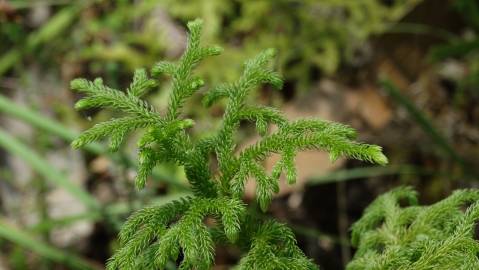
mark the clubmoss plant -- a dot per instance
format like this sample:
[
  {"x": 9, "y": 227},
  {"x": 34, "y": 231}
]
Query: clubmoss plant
[
  {"x": 155, "y": 235},
  {"x": 440, "y": 236}
]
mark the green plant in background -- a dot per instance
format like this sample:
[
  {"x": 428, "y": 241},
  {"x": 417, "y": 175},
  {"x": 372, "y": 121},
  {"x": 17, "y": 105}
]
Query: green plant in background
[
  {"x": 154, "y": 235},
  {"x": 309, "y": 35},
  {"x": 99, "y": 31},
  {"x": 440, "y": 236},
  {"x": 465, "y": 49}
]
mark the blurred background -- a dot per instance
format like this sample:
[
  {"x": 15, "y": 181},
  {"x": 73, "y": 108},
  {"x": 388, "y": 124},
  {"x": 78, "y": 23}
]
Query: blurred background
[{"x": 405, "y": 73}]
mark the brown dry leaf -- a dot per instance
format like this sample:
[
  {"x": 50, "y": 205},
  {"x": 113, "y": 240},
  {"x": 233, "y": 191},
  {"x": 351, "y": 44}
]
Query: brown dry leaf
[
  {"x": 3, "y": 263},
  {"x": 100, "y": 165},
  {"x": 387, "y": 68},
  {"x": 371, "y": 106},
  {"x": 308, "y": 164}
]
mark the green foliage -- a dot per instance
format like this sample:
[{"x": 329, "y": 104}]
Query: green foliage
[
  {"x": 309, "y": 35},
  {"x": 462, "y": 48},
  {"x": 26, "y": 240},
  {"x": 270, "y": 245},
  {"x": 469, "y": 9},
  {"x": 155, "y": 235},
  {"x": 439, "y": 236}
]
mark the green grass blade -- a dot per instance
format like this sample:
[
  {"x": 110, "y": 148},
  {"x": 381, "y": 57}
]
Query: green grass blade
[
  {"x": 39, "y": 121},
  {"x": 51, "y": 29},
  {"x": 9, "y": 59},
  {"x": 424, "y": 122},
  {"x": 25, "y": 4},
  {"x": 315, "y": 233},
  {"x": 15, "y": 147},
  {"x": 53, "y": 127},
  {"x": 421, "y": 29},
  {"x": 116, "y": 210},
  {"x": 365, "y": 172},
  {"x": 458, "y": 48},
  {"x": 27, "y": 241}
]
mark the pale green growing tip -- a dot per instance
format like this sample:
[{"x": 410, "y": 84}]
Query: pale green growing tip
[
  {"x": 380, "y": 159},
  {"x": 77, "y": 84},
  {"x": 152, "y": 83},
  {"x": 215, "y": 50},
  {"x": 271, "y": 52},
  {"x": 186, "y": 123},
  {"x": 98, "y": 81},
  {"x": 76, "y": 144},
  {"x": 81, "y": 104},
  {"x": 194, "y": 24},
  {"x": 197, "y": 84}
]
